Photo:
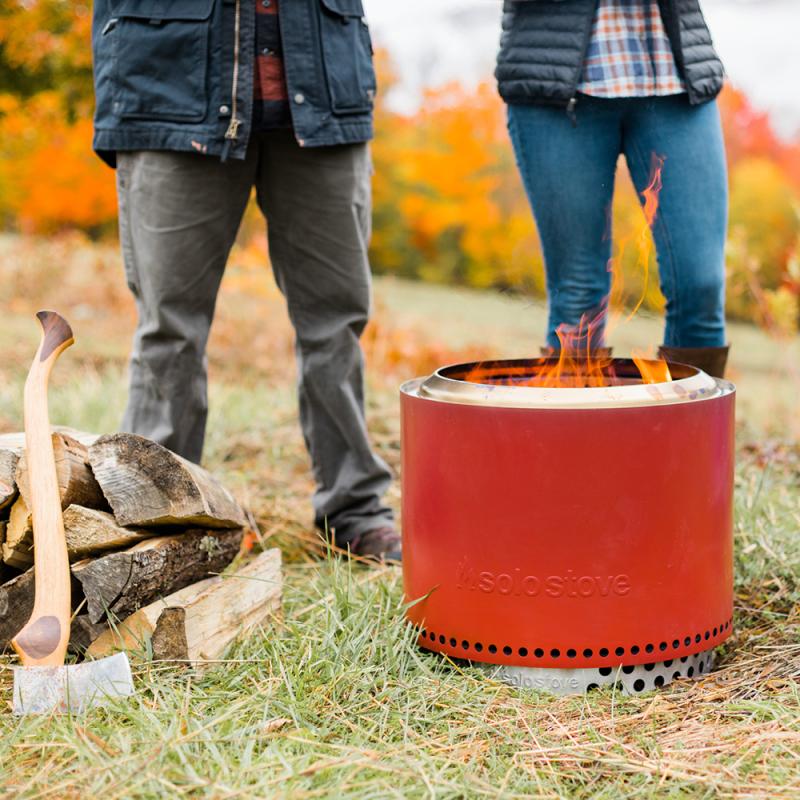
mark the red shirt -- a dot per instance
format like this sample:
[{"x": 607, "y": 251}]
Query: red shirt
[{"x": 271, "y": 102}]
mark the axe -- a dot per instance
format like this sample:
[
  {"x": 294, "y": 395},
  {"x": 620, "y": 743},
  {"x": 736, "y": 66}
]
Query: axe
[{"x": 44, "y": 683}]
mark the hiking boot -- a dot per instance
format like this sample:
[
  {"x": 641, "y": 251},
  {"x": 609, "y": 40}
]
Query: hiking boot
[
  {"x": 712, "y": 360},
  {"x": 380, "y": 544}
]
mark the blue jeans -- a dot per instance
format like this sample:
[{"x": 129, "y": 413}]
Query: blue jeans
[{"x": 568, "y": 171}]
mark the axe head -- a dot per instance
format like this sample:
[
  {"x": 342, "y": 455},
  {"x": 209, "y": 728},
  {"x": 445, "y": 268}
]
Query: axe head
[{"x": 72, "y": 688}]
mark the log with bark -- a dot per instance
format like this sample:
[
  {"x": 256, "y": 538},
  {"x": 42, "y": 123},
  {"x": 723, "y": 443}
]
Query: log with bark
[
  {"x": 147, "y": 485},
  {"x": 198, "y": 622},
  {"x": 173, "y": 527},
  {"x": 76, "y": 483},
  {"x": 16, "y": 604},
  {"x": 88, "y": 532},
  {"x": 122, "y": 582}
]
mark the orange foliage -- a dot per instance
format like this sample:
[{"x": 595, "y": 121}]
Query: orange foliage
[
  {"x": 55, "y": 34},
  {"x": 49, "y": 177},
  {"x": 447, "y": 194},
  {"x": 449, "y": 205},
  {"x": 448, "y": 202}
]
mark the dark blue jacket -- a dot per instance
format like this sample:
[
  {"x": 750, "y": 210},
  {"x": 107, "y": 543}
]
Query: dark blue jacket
[{"x": 178, "y": 74}]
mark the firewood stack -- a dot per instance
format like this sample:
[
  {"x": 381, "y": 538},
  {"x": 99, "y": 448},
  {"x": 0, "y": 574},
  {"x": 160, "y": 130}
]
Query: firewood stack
[{"x": 148, "y": 534}]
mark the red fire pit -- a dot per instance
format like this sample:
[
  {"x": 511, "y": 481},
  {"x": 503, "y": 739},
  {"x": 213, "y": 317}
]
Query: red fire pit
[{"x": 571, "y": 536}]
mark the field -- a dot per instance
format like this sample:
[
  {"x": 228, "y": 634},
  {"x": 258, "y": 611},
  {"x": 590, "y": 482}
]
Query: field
[{"x": 336, "y": 700}]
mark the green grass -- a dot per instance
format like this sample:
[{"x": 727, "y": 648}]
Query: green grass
[{"x": 334, "y": 699}]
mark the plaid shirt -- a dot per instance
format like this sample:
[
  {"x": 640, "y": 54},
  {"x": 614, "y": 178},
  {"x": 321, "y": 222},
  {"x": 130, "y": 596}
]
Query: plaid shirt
[
  {"x": 271, "y": 102},
  {"x": 629, "y": 53}
]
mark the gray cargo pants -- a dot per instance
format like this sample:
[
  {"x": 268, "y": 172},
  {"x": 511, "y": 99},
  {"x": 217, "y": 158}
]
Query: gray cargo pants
[{"x": 179, "y": 214}]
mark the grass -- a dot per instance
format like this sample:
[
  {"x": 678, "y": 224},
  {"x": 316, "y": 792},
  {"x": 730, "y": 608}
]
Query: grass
[{"x": 335, "y": 700}]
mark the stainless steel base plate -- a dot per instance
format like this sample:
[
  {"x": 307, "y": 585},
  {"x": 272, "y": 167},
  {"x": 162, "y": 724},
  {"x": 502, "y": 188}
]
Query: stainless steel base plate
[{"x": 634, "y": 679}]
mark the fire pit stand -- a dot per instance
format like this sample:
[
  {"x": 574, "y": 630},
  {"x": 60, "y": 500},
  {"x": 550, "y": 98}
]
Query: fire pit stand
[{"x": 569, "y": 537}]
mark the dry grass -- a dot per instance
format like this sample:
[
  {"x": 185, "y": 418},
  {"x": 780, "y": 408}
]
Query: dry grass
[{"x": 336, "y": 701}]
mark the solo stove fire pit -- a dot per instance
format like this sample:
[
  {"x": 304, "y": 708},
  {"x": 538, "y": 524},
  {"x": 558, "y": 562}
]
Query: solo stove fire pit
[{"x": 571, "y": 537}]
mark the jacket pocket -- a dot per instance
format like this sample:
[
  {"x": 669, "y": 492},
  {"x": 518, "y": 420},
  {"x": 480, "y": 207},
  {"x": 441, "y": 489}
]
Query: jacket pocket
[
  {"x": 347, "y": 54},
  {"x": 160, "y": 58}
]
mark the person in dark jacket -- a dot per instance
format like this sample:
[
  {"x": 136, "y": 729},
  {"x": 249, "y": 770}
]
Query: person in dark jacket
[
  {"x": 586, "y": 81},
  {"x": 197, "y": 102}
]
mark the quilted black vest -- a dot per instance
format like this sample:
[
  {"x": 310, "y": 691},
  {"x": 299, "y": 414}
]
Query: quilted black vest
[{"x": 544, "y": 43}]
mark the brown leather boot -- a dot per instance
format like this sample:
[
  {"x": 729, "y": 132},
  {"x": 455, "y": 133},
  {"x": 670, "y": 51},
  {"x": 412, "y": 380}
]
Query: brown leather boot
[{"x": 711, "y": 360}]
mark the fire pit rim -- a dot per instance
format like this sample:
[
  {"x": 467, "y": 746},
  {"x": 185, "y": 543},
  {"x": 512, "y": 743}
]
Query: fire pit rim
[{"x": 697, "y": 386}]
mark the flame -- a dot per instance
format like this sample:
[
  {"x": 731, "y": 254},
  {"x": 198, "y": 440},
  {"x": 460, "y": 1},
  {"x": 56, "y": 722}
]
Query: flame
[
  {"x": 653, "y": 370},
  {"x": 582, "y": 361}
]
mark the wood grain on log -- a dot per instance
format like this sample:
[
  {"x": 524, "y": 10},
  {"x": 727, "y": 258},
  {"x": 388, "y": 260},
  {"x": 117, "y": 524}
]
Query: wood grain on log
[
  {"x": 8, "y": 483},
  {"x": 123, "y": 582},
  {"x": 197, "y": 623},
  {"x": 76, "y": 483},
  {"x": 146, "y": 485},
  {"x": 16, "y": 604},
  {"x": 18, "y": 544},
  {"x": 90, "y": 531}
]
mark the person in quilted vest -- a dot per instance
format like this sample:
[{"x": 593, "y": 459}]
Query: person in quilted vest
[{"x": 585, "y": 82}]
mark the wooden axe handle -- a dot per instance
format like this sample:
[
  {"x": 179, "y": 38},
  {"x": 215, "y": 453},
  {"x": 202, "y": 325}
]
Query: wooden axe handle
[{"x": 43, "y": 640}]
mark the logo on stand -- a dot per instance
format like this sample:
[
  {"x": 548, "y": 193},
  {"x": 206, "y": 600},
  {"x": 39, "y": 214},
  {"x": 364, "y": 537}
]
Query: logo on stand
[{"x": 515, "y": 582}]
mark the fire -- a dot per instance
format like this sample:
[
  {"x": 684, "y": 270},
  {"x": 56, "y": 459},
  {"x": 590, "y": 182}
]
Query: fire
[
  {"x": 582, "y": 361},
  {"x": 654, "y": 370}
]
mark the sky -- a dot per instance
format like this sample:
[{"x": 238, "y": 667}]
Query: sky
[{"x": 435, "y": 41}]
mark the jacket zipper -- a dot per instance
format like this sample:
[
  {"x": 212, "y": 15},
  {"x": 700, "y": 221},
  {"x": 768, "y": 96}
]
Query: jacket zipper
[{"x": 233, "y": 126}]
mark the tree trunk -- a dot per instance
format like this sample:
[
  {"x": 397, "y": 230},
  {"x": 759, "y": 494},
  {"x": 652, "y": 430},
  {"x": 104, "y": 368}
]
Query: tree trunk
[
  {"x": 197, "y": 623},
  {"x": 147, "y": 485},
  {"x": 123, "y": 582}
]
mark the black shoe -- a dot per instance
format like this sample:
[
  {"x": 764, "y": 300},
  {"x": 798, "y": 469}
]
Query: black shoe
[{"x": 380, "y": 544}]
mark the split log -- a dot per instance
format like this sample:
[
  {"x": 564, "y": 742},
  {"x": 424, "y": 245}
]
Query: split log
[
  {"x": 147, "y": 485},
  {"x": 18, "y": 544},
  {"x": 90, "y": 531},
  {"x": 16, "y": 605},
  {"x": 197, "y": 623},
  {"x": 76, "y": 483},
  {"x": 87, "y": 530},
  {"x": 8, "y": 484},
  {"x": 121, "y": 583}
]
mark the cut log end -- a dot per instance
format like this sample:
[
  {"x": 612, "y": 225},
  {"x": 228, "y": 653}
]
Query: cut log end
[
  {"x": 198, "y": 622},
  {"x": 148, "y": 485}
]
